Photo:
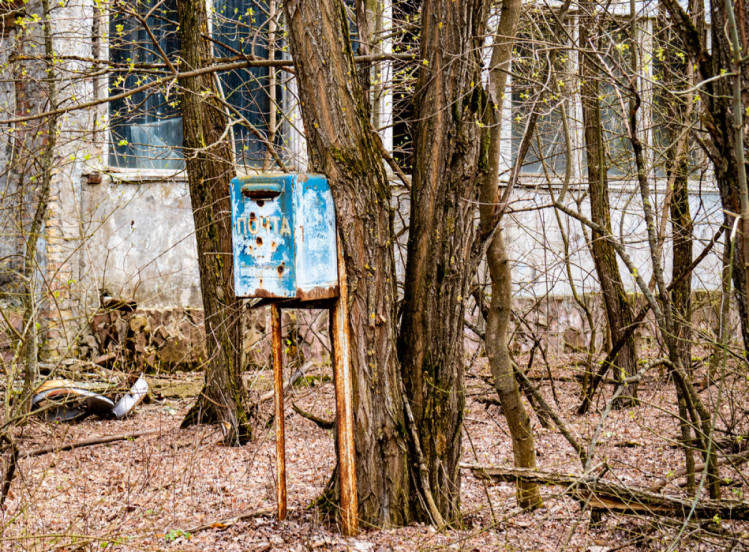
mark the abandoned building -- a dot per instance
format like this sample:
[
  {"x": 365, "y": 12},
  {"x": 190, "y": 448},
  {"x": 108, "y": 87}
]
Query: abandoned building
[{"x": 117, "y": 221}]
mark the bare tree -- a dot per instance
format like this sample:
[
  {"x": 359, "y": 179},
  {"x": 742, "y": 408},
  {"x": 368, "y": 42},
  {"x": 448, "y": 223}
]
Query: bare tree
[
  {"x": 724, "y": 75},
  {"x": 618, "y": 307},
  {"x": 498, "y": 317},
  {"x": 343, "y": 145},
  {"x": 210, "y": 167}
]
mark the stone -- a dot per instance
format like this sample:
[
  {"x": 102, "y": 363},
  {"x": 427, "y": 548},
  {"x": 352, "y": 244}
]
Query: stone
[
  {"x": 175, "y": 351},
  {"x": 139, "y": 323},
  {"x": 121, "y": 327},
  {"x": 574, "y": 340}
]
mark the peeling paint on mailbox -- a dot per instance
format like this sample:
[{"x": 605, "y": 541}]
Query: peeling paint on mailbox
[{"x": 284, "y": 237}]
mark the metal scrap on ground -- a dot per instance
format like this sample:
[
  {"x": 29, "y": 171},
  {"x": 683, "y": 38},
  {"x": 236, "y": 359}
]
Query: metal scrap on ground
[{"x": 68, "y": 401}]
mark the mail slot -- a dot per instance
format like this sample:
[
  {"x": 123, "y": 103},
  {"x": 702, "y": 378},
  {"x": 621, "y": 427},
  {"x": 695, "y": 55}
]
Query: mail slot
[{"x": 284, "y": 237}]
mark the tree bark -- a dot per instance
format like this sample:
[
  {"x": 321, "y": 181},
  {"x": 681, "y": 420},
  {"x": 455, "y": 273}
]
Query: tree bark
[
  {"x": 343, "y": 146},
  {"x": 718, "y": 115},
  {"x": 678, "y": 114},
  {"x": 618, "y": 307},
  {"x": 210, "y": 168},
  {"x": 499, "y": 313},
  {"x": 449, "y": 103}
]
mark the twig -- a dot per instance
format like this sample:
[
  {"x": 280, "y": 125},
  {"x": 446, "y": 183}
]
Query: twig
[
  {"x": 88, "y": 443},
  {"x": 426, "y": 489},
  {"x": 226, "y": 522},
  {"x": 299, "y": 374}
]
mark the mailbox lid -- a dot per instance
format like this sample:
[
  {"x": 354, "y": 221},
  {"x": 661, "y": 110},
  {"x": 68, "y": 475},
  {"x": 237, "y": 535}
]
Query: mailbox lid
[
  {"x": 315, "y": 238},
  {"x": 262, "y": 236}
]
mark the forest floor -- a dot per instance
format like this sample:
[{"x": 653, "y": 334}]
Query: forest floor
[{"x": 179, "y": 489}]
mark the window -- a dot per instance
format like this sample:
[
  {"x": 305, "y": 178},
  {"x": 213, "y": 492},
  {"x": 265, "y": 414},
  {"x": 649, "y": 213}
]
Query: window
[
  {"x": 545, "y": 78},
  {"x": 244, "y": 27},
  {"x": 539, "y": 80},
  {"x": 673, "y": 105},
  {"x": 146, "y": 128},
  {"x": 615, "y": 61}
]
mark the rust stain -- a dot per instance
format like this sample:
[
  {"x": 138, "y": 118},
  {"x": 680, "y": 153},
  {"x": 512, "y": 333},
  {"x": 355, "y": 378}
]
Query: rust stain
[
  {"x": 260, "y": 202},
  {"x": 317, "y": 293},
  {"x": 252, "y": 216},
  {"x": 339, "y": 330},
  {"x": 278, "y": 396},
  {"x": 264, "y": 293},
  {"x": 259, "y": 240}
]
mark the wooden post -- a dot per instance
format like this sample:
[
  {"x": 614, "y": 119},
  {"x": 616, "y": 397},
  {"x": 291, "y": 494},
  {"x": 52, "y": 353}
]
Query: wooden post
[
  {"x": 275, "y": 314},
  {"x": 339, "y": 334}
]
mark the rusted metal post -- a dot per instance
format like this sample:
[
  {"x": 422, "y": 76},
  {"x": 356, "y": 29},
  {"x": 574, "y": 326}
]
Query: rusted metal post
[
  {"x": 275, "y": 314},
  {"x": 339, "y": 334}
]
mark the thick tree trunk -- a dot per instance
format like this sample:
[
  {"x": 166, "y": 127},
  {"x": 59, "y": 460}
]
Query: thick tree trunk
[
  {"x": 343, "y": 146},
  {"x": 499, "y": 313},
  {"x": 618, "y": 307},
  {"x": 449, "y": 103},
  {"x": 210, "y": 167}
]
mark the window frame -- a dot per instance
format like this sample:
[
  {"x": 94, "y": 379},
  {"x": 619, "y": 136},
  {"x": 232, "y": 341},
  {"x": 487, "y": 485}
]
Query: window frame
[
  {"x": 617, "y": 183},
  {"x": 288, "y": 139}
]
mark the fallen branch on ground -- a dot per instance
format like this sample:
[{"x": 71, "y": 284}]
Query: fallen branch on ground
[
  {"x": 228, "y": 522},
  {"x": 494, "y": 401},
  {"x": 87, "y": 443},
  {"x": 320, "y": 422},
  {"x": 614, "y": 497},
  {"x": 735, "y": 460}
]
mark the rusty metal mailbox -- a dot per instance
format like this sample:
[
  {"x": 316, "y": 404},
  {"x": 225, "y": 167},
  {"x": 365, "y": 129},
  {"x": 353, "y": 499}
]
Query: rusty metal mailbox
[
  {"x": 285, "y": 251},
  {"x": 284, "y": 237}
]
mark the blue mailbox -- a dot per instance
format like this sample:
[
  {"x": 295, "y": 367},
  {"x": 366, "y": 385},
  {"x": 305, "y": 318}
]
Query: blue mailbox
[{"x": 284, "y": 237}]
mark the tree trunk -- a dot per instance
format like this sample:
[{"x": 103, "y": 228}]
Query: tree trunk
[
  {"x": 449, "y": 103},
  {"x": 677, "y": 117},
  {"x": 720, "y": 116},
  {"x": 210, "y": 167},
  {"x": 618, "y": 307},
  {"x": 730, "y": 39},
  {"x": 36, "y": 187},
  {"x": 499, "y": 313},
  {"x": 343, "y": 146}
]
